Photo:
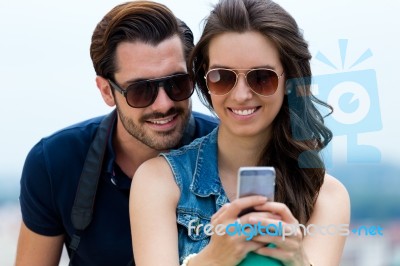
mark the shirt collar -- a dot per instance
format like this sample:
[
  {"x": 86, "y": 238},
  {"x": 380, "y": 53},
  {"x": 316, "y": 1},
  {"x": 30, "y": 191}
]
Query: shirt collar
[
  {"x": 189, "y": 132},
  {"x": 110, "y": 156}
]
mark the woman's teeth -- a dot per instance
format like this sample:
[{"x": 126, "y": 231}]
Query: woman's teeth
[{"x": 244, "y": 112}]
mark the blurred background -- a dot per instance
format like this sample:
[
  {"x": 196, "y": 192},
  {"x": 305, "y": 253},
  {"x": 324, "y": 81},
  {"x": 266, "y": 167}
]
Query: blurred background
[{"x": 47, "y": 83}]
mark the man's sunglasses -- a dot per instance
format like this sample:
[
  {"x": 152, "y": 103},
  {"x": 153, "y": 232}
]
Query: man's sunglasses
[
  {"x": 262, "y": 81},
  {"x": 143, "y": 93}
]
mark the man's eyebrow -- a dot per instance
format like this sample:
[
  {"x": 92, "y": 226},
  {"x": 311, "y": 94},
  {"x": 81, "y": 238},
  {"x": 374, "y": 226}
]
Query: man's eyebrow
[{"x": 134, "y": 80}]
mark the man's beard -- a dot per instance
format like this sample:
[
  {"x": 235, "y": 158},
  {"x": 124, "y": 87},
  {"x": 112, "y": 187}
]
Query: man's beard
[{"x": 164, "y": 140}]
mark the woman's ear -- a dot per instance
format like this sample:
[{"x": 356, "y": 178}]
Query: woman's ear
[
  {"x": 288, "y": 90},
  {"x": 106, "y": 91},
  {"x": 289, "y": 87}
]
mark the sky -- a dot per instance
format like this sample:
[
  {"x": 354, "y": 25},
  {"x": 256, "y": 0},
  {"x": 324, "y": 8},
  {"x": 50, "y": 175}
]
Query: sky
[{"x": 48, "y": 82}]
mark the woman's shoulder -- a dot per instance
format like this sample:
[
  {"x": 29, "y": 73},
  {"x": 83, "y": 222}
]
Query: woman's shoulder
[
  {"x": 156, "y": 174},
  {"x": 333, "y": 199},
  {"x": 153, "y": 171},
  {"x": 153, "y": 167},
  {"x": 333, "y": 188},
  {"x": 332, "y": 205}
]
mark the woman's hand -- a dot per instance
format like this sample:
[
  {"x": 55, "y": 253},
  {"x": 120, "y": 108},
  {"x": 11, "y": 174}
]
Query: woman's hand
[
  {"x": 228, "y": 249},
  {"x": 287, "y": 240}
]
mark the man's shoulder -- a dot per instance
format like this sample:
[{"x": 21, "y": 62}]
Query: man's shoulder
[
  {"x": 74, "y": 139},
  {"x": 204, "y": 124},
  {"x": 204, "y": 118},
  {"x": 63, "y": 151},
  {"x": 78, "y": 130}
]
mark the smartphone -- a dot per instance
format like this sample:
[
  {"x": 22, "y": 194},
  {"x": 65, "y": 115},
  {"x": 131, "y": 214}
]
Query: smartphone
[{"x": 258, "y": 180}]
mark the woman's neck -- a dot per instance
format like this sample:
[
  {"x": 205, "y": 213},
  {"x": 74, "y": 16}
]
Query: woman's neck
[{"x": 234, "y": 152}]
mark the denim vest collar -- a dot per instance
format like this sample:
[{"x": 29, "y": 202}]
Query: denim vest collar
[{"x": 206, "y": 179}]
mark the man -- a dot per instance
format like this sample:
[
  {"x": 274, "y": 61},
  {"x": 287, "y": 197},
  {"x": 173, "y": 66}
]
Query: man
[{"x": 139, "y": 52}]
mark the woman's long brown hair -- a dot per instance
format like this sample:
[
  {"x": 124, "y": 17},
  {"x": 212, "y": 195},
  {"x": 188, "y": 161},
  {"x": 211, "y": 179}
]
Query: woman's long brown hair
[{"x": 299, "y": 132}]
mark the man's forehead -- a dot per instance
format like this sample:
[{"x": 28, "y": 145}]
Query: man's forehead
[{"x": 139, "y": 60}]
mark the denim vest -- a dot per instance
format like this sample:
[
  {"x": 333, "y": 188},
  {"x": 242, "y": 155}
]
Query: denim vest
[{"x": 195, "y": 169}]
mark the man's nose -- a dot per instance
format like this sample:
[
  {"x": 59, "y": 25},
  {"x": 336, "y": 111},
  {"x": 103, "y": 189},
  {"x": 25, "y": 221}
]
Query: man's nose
[{"x": 162, "y": 103}]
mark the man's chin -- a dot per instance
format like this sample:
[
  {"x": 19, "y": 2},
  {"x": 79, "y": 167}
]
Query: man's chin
[{"x": 165, "y": 141}]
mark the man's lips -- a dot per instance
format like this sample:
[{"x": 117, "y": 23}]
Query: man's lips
[
  {"x": 161, "y": 121},
  {"x": 163, "y": 124}
]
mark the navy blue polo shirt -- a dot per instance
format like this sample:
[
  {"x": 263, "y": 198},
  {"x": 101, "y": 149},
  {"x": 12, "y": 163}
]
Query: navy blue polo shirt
[{"x": 49, "y": 182}]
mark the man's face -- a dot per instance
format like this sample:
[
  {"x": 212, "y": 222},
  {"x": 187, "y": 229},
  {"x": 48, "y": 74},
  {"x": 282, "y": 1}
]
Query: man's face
[{"x": 160, "y": 125}]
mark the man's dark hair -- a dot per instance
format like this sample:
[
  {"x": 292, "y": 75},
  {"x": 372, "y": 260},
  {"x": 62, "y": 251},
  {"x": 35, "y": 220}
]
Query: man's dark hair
[{"x": 143, "y": 21}]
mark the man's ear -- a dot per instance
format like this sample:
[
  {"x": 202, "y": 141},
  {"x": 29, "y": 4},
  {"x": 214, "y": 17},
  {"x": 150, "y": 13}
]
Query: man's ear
[{"x": 106, "y": 91}]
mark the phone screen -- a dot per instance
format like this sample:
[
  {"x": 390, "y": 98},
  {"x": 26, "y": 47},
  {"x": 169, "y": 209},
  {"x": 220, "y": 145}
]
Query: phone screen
[
  {"x": 256, "y": 181},
  {"x": 259, "y": 180}
]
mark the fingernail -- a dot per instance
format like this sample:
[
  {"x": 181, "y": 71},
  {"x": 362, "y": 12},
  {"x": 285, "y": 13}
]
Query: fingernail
[{"x": 252, "y": 219}]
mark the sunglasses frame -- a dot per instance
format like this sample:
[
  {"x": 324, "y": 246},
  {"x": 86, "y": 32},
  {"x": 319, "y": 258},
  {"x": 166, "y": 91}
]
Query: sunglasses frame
[
  {"x": 248, "y": 70},
  {"x": 159, "y": 82}
]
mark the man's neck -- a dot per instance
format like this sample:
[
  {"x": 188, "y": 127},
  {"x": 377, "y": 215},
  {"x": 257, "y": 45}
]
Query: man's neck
[{"x": 130, "y": 153}]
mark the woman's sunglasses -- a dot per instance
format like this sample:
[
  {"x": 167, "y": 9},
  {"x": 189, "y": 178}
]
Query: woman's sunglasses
[
  {"x": 262, "y": 81},
  {"x": 143, "y": 93}
]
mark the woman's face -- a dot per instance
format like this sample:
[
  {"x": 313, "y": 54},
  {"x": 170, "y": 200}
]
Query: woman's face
[{"x": 241, "y": 111}]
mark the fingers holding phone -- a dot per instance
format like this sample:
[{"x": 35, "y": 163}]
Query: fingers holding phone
[
  {"x": 230, "y": 211},
  {"x": 226, "y": 248},
  {"x": 260, "y": 180},
  {"x": 256, "y": 186}
]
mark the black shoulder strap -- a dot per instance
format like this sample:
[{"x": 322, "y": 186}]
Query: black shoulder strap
[{"x": 82, "y": 210}]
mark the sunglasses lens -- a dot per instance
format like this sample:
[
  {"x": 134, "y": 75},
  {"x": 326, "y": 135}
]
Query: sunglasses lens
[
  {"x": 141, "y": 94},
  {"x": 179, "y": 87},
  {"x": 220, "y": 81},
  {"x": 263, "y": 81}
]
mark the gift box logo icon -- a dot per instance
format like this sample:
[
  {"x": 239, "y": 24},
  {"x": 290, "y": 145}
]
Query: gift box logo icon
[{"x": 355, "y": 99}]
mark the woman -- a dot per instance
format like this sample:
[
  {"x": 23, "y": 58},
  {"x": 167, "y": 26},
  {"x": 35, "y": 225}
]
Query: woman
[{"x": 248, "y": 52}]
